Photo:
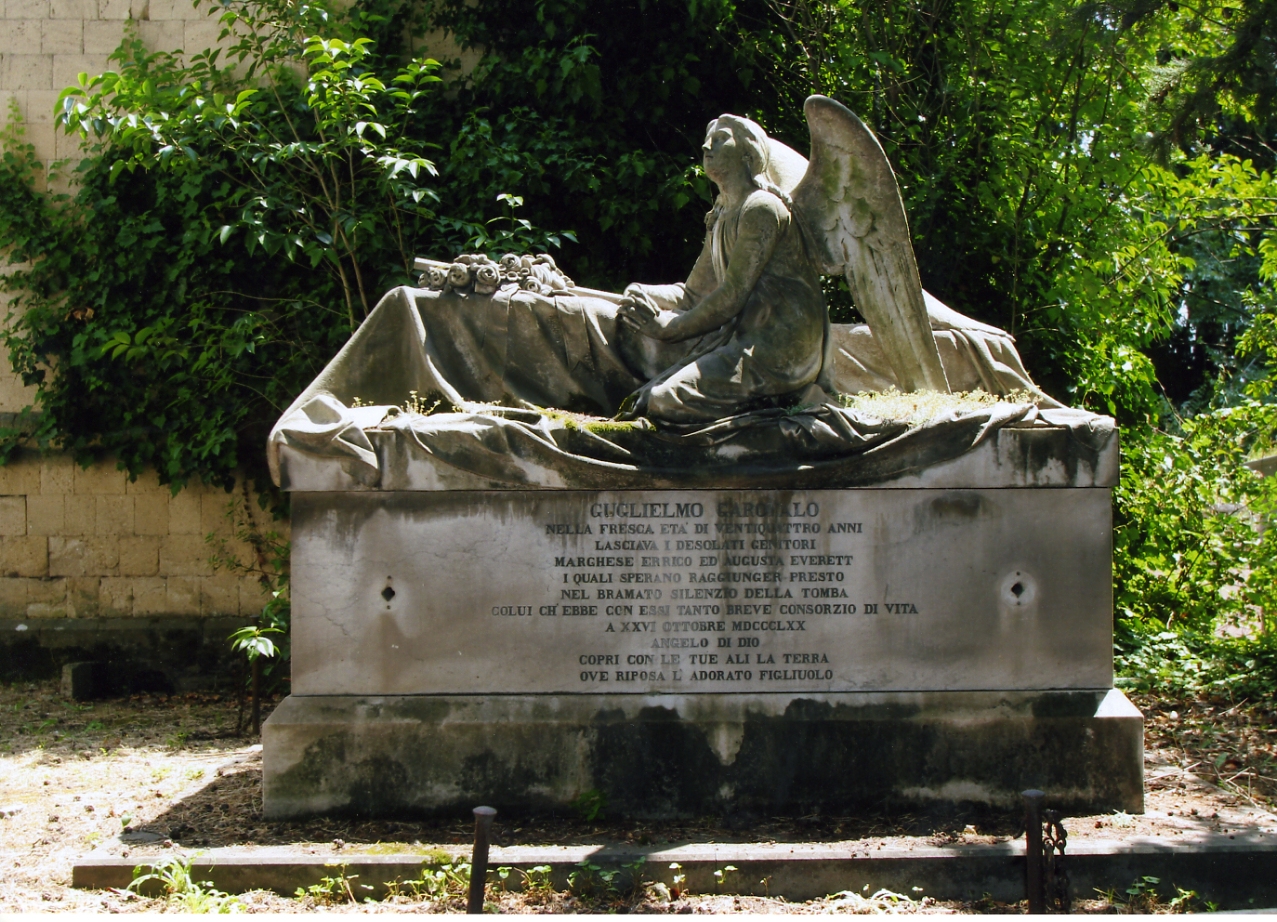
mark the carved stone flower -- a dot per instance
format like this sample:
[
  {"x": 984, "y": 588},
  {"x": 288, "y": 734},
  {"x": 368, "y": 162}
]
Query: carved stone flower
[
  {"x": 487, "y": 278},
  {"x": 458, "y": 275}
]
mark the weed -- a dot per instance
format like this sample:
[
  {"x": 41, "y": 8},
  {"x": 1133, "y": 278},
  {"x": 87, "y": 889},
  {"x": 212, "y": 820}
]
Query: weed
[
  {"x": 1189, "y": 901},
  {"x": 679, "y": 879},
  {"x": 634, "y": 876},
  {"x": 181, "y": 890},
  {"x": 881, "y": 901},
  {"x": 440, "y": 882},
  {"x": 591, "y": 804},
  {"x": 720, "y": 876},
  {"x": 537, "y": 880},
  {"x": 333, "y": 889},
  {"x": 592, "y": 880},
  {"x": 417, "y": 404},
  {"x": 1141, "y": 895},
  {"x": 95, "y": 725}
]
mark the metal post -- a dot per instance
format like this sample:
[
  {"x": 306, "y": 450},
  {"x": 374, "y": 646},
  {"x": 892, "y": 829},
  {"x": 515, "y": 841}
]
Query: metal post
[
  {"x": 479, "y": 860},
  {"x": 1033, "y": 851}
]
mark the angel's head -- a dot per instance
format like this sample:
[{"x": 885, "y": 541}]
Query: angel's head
[{"x": 737, "y": 150}]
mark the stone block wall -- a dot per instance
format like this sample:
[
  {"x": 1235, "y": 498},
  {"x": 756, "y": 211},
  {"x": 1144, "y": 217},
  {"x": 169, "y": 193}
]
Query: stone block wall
[
  {"x": 77, "y": 543},
  {"x": 46, "y": 44},
  {"x": 85, "y": 555},
  {"x": 83, "y": 543}
]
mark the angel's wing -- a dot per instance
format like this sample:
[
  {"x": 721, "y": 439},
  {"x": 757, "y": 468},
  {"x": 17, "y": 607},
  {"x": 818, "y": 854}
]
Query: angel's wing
[{"x": 850, "y": 206}]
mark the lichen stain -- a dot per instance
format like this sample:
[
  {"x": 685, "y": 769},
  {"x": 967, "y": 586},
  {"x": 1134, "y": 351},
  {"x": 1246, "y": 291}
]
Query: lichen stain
[{"x": 952, "y": 509}]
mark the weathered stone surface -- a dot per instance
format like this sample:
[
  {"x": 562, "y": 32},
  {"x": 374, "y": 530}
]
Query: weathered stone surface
[
  {"x": 671, "y": 755},
  {"x": 701, "y": 591},
  {"x": 1038, "y": 456}
]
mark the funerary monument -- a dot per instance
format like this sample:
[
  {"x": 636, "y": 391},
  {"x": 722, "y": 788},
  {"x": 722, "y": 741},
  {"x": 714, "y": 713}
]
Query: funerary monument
[{"x": 692, "y": 549}]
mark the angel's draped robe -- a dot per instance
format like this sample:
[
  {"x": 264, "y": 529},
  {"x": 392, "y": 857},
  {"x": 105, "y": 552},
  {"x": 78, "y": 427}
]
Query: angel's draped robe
[
  {"x": 495, "y": 360},
  {"x": 768, "y": 354}
]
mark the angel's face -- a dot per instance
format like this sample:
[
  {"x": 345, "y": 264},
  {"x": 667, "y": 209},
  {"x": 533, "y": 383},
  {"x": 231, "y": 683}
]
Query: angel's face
[{"x": 723, "y": 158}]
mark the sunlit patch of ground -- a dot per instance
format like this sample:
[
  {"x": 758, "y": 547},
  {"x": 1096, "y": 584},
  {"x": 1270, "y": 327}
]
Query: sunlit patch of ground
[{"x": 150, "y": 777}]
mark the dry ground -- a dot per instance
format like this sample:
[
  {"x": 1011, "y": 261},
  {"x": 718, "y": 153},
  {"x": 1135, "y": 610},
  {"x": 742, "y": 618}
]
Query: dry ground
[{"x": 152, "y": 776}]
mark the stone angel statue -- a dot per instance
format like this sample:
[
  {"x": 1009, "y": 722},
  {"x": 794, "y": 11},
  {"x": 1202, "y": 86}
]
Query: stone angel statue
[
  {"x": 472, "y": 370},
  {"x": 754, "y": 297}
]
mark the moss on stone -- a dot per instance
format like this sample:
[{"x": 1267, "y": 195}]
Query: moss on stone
[{"x": 919, "y": 407}]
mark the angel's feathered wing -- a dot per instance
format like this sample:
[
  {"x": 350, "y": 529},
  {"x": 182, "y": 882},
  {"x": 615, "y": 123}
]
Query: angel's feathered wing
[{"x": 850, "y": 206}]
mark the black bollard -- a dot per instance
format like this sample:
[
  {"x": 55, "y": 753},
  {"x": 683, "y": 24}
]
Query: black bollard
[
  {"x": 1033, "y": 852},
  {"x": 479, "y": 860}
]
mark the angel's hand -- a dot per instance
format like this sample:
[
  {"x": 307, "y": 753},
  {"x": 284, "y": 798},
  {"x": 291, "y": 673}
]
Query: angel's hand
[
  {"x": 635, "y": 296},
  {"x": 644, "y": 318}
]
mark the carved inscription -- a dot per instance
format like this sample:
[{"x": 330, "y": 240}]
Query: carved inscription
[{"x": 700, "y": 596}]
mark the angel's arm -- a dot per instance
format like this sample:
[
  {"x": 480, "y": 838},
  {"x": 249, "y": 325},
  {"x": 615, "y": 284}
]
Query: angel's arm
[
  {"x": 682, "y": 296},
  {"x": 761, "y": 222}
]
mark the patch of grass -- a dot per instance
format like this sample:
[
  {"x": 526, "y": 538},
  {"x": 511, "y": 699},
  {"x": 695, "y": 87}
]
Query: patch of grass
[{"x": 181, "y": 890}]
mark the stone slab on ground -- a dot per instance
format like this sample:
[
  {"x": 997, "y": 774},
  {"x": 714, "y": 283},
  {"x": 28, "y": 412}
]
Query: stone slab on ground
[
  {"x": 666, "y": 755},
  {"x": 1231, "y": 873}
]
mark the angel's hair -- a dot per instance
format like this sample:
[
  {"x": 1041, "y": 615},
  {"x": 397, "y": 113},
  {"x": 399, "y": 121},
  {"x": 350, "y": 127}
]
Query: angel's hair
[{"x": 755, "y": 149}]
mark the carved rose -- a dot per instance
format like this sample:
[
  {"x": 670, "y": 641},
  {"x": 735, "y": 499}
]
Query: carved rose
[
  {"x": 458, "y": 275},
  {"x": 486, "y": 279}
]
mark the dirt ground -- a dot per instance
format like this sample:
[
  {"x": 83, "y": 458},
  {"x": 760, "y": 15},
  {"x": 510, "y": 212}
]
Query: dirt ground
[{"x": 153, "y": 776}]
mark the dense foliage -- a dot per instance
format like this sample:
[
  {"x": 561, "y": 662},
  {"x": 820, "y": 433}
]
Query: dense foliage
[
  {"x": 275, "y": 207},
  {"x": 1093, "y": 176}
]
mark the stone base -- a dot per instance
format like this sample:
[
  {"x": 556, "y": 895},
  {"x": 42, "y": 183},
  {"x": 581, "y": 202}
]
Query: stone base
[{"x": 690, "y": 755}]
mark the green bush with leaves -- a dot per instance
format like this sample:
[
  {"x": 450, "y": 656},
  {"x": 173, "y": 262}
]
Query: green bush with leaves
[
  {"x": 1096, "y": 179},
  {"x": 240, "y": 211},
  {"x": 1195, "y": 557},
  {"x": 1193, "y": 535},
  {"x": 230, "y": 224}
]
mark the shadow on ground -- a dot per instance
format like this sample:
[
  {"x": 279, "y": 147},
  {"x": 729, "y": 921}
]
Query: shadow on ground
[{"x": 227, "y": 812}]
